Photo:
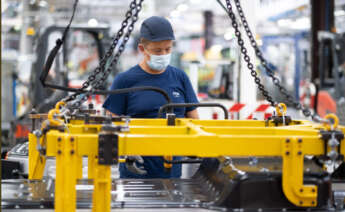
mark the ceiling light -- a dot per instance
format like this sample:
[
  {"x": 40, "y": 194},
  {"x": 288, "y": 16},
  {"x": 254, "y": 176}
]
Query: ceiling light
[
  {"x": 284, "y": 22},
  {"x": 339, "y": 13},
  {"x": 175, "y": 14},
  {"x": 182, "y": 7},
  {"x": 301, "y": 23},
  {"x": 228, "y": 35},
  {"x": 92, "y": 22}
]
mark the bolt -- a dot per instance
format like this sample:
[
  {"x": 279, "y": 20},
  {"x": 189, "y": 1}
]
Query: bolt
[
  {"x": 299, "y": 140},
  {"x": 59, "y": 152},
  {"x": 287, "y": 141},
  {"x": 72, "y": 139},
  {"x": 301, "y": 190},
  {"x": 299, "y": 153},
  {"x": 287, "y": 153},
  {"x": 301, "y": 202},
  {"x": 59, "y": 139},
  {"x": 72, "y": 152},
  {"x": 313, "y": 190}
]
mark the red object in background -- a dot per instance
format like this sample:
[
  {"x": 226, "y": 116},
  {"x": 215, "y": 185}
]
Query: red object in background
[
  {"x": 22, "y": 131},
  {"x": 325, "y": 104},
  {"x": 236, "y": 107},
  {"x": 262, "y": 108},
  {"x": 215, "y": 115},
  {"x": 202, "y": 96}
]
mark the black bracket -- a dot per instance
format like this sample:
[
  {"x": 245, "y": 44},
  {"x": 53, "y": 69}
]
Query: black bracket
[
  {"x": 108, "y": 148},
  {"x": 279, "y": 120},
  {"x": 170, "y": 107},
  {"x": 326, "y": 135}
]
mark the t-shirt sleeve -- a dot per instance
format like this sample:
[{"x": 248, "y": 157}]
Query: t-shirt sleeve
[
  {"x": 117, "y": 103},
  {"x": 190, "y": 96}
]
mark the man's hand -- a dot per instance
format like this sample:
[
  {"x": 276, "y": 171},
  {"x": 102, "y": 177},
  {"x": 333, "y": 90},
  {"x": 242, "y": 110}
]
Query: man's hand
[
  {"x": 193, "y": 114},
  {"x": 131, "y": 164}
]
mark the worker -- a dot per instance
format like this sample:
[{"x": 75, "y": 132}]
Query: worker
[{"x": 156, "y": 41}]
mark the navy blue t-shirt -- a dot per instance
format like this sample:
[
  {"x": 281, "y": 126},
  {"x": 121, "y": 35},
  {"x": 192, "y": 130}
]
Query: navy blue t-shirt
[{"x": 145, "y": 104}]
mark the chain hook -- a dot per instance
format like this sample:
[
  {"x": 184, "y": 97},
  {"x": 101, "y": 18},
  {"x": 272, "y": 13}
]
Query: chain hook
[
  {"x": 328, "y": 121},
  {"x": 281, "y": 109}
]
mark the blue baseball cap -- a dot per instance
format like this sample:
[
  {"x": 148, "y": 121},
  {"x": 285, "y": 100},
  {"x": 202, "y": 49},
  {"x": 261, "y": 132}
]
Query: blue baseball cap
[{"x": 156, "y": 28}]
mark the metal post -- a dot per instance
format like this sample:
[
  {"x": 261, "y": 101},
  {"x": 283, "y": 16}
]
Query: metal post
[
  {"x": 209, "y": 31},
  {"x": 66, "y": 174},
  {"x": 322, "y": 19},
  {"x": 101, "y": 197}
]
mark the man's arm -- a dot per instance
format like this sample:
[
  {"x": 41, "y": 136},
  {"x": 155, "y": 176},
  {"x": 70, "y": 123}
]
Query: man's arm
[
  {"x": 193, "y": 114},
  {"x": 107, "y": 112}
]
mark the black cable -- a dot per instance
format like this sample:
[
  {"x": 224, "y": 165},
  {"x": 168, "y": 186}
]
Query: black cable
[
  {"x": 54, "y": 51},
  {"x": 222, "y": 5},
  {"x": 117, "y": 91},
  {"x": 133, "y": 89}
]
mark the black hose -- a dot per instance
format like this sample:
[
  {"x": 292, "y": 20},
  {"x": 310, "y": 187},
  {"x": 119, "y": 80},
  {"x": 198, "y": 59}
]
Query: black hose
[
  {"x": 128, "y": 90},
  {"x": 56, "y": 49},
  {"x": 174, "y": 105},
  {"x": 117, "y": 91}
]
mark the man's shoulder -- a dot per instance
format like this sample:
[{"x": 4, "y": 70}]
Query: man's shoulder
[
  {"x": 130, "y": 71},
  {"x": 176, "y": 71},
  {"x": 127, "y": 75}
]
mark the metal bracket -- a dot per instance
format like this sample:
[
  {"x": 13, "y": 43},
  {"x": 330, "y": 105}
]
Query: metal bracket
[
  {"x": 327, "y": 135},
  {"x": 292, "y": 175},
  {"x": 286, "y": 120},
  {"x": 108, "y": 148}
]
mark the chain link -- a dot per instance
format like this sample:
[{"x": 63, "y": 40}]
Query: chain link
[
  {"x": 306, "y": 112},
  {"x": 97, "y": 78},
  {"x": 246, "y": 57}
]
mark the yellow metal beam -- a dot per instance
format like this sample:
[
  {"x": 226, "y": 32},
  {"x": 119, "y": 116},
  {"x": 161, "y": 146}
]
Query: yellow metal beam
[
  {"x": 36, "y": 161},
  {"x": 101, "y": 197},
  {"x": 292, "y": 176},
  {"x": 66, "y": 173},
  {"x": 152, "y": 137}
]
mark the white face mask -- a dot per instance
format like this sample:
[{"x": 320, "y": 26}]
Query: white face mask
[{"x": 159, "y": 62}]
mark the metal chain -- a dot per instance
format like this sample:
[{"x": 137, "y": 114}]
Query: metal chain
[
  {"x": 246, "y": 58},
  {"x": 306, "y": 112},
  {"x": 92, "y": 79},
  {"x": 117, "y": 55}
]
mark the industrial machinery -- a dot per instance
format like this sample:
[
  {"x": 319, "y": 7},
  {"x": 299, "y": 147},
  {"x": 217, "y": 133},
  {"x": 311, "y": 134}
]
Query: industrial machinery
[{"x": 274, "y": 164}]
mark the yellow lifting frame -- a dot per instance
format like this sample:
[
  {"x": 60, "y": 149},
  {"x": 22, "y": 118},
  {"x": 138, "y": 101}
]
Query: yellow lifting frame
[{"x": 202, "y": 138}]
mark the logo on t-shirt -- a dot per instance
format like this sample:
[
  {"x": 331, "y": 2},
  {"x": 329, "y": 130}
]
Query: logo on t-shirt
[{"x": 176, "y": 94}]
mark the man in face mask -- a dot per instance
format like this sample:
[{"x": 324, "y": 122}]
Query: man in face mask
[{"x": 156, "y": 41}]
